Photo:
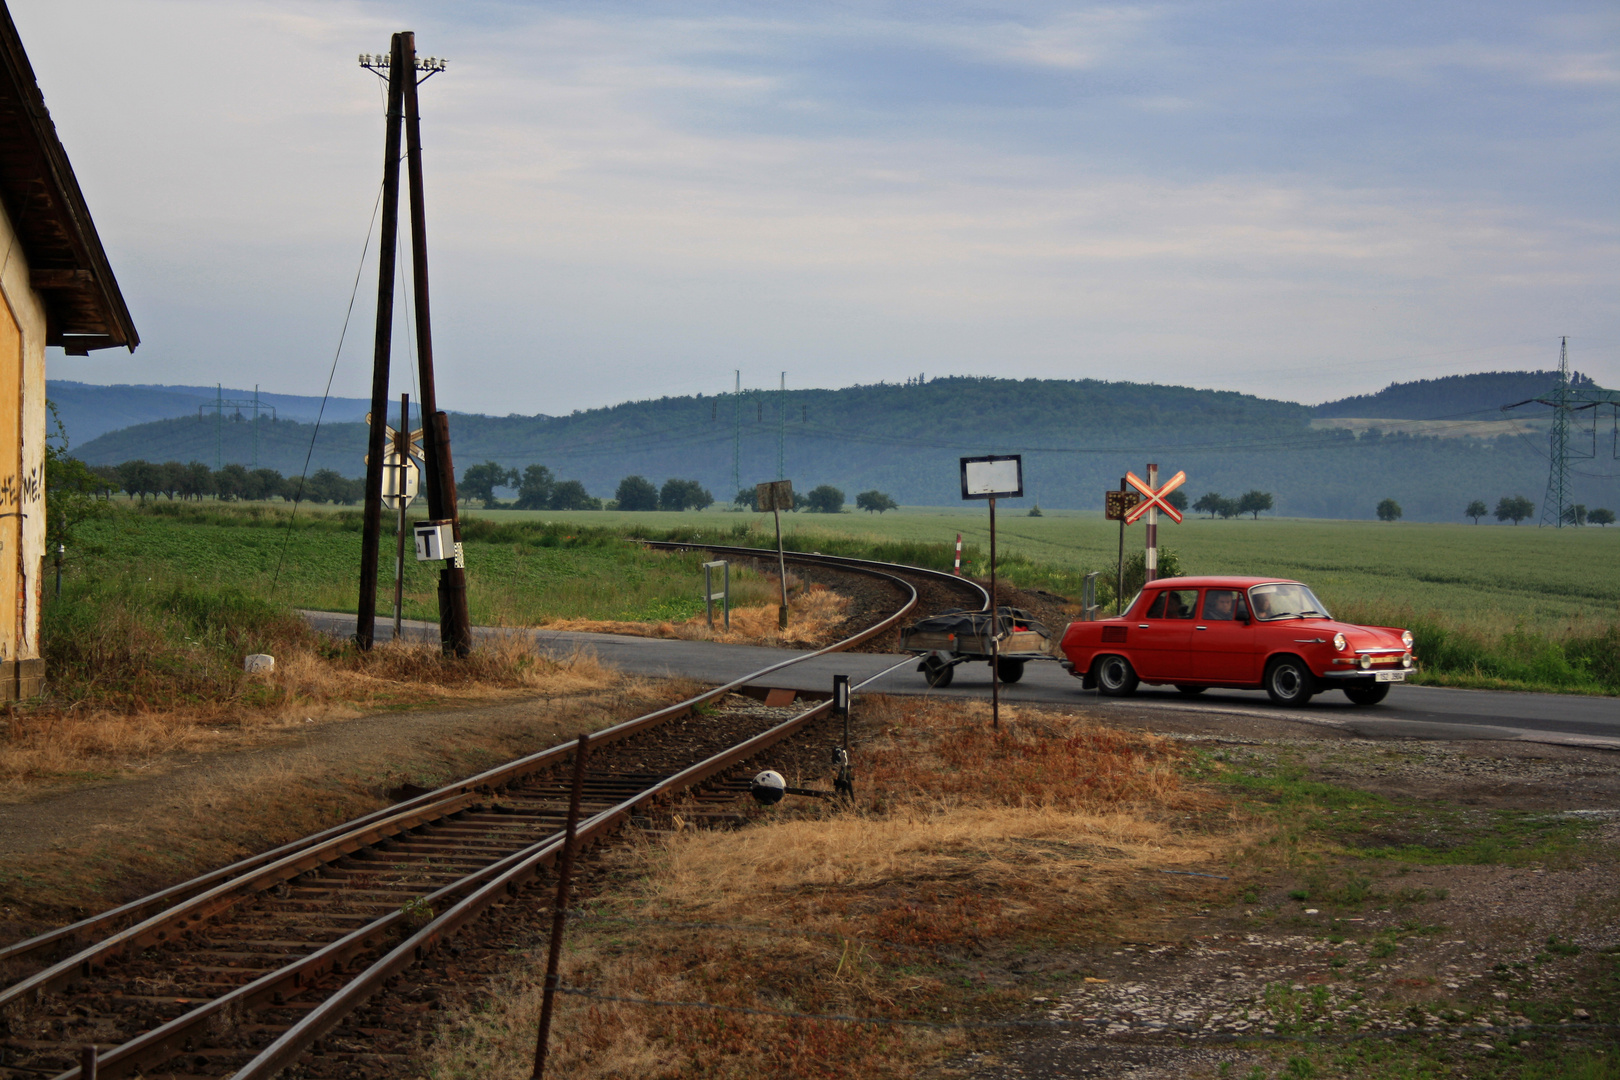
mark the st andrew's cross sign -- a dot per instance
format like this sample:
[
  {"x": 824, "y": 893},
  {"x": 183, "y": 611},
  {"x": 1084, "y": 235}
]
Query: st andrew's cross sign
[{"x": 1153, "y": 498}]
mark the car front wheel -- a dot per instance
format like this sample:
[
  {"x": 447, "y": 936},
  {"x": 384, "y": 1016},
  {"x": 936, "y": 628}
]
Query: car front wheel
[
  {"x": 1370, "y": 694},
  {"x": 1289, "y": 681},
  {"x": 1116, "y": 677}
]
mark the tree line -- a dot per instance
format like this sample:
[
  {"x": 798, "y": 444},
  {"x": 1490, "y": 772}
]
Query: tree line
[
  {"x": 1516, "y": 508},
  {"x": 1216, "y": 505},
  {"x": 141, "y": 479}
]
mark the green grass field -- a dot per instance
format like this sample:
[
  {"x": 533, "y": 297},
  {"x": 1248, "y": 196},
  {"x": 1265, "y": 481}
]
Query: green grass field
[
  {"x": 1547, "y": 580},
  {"x": 1491, "y": 605}
]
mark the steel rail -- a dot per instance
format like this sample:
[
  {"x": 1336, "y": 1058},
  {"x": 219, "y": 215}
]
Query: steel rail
[
  {"x": 210, "y": 893},
  {"x": 842, "y": 561}
]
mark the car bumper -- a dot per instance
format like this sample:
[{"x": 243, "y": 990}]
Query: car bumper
[{"x": 1387, "y": 675}]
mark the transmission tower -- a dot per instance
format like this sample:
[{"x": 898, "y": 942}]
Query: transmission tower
[{"x": 1565, "y": 400}]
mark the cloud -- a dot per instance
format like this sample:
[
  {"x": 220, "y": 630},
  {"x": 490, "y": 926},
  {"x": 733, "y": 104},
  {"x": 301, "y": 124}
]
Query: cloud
[{"x": 628, "y": 200}]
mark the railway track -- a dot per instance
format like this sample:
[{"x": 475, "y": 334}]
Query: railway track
[{"x": 239, "y": 971}]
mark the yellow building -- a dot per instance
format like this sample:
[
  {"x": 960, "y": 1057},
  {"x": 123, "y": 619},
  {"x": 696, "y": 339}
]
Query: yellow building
[{"x": 57, "y": 290}]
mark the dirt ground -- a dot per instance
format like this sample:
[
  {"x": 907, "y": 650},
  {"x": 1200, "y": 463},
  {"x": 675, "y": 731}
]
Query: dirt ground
[{"x": 1440, "y": 955}]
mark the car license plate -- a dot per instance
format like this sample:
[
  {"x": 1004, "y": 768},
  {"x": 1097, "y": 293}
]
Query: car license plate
[{"x": 1390, "y": 676}]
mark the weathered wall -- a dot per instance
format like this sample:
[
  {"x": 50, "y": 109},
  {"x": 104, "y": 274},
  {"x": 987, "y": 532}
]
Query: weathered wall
[{"x": 22, "y": 472}]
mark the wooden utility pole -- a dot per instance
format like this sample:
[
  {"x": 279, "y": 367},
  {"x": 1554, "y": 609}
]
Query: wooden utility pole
[
  {"x": 455, "y": 625},
  {"x": 371, "y": 530}
]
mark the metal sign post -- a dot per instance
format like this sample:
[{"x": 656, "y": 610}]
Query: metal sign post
[
  {"x": 724, "y": 595},
  {"x": 1116, "y": 504},
  {"x": 986, "y": 478},
  {"x": 777, "y": 496}
]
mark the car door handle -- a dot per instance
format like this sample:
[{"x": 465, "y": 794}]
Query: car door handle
[
  {"x": 1142, "y": 626},
  {"x": 1200, "y": 628}
]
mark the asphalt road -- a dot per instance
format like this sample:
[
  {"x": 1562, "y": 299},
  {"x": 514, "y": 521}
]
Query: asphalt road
[{"x": 1421, "y": 712}]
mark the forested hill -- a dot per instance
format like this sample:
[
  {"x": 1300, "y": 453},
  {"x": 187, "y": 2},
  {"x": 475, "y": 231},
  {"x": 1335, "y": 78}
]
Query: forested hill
[
  {"x": 1078, "y": 438},
  {"x": 87, "y": 411},
  {"x": 1454, "y": 397}
]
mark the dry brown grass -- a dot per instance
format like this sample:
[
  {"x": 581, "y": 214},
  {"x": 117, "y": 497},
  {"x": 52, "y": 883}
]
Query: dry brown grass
[
  {"x": 813, "y": 612},
  {"x": 312, "y": 681},
  {"x": 966, "y": 845}
]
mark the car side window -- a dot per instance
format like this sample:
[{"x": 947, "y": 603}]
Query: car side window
[
  {"x": 1174, "y": 604},
  {"x": 1222, "y": 605}
]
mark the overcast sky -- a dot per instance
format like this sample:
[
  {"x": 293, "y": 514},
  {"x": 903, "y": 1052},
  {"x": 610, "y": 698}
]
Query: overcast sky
[{"x": 631, "y": 200}]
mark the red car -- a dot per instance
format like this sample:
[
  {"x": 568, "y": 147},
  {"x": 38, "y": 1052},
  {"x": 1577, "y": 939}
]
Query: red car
[{"x": 1240, "y": 632}]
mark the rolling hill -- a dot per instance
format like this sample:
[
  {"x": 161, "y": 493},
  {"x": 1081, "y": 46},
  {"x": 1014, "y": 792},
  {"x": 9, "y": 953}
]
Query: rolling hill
[{"x": 1078, "y": 438}]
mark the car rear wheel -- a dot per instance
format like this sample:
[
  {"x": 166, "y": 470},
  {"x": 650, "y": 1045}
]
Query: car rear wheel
[
  {"x": 1289, "y": 681},
  {"x": 1190, "y": 690},
  {"x": 1010, "y": 671},
  {"x": 1367, "y": 694},
  {"x": 1116, "y": 677}
]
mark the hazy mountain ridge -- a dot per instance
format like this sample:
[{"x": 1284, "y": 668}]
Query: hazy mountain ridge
[
  {"x": 1452, "y": 397},
  {"x": 1078, "y": 437}
]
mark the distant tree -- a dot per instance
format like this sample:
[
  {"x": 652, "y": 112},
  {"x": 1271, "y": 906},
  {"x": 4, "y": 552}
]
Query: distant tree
[
  {"x": 264, "y": 484},
  {"x": 875, "y": 502},
  {"x": 1035, "y": 511},
  {"x": 800, "y": 501},
  {"x": 1514, "y": 508},
  {"x": 1254, "y": 502},
  {"x": 535, "y": 488},
  {"x": 1177, "y": 499},
  {"x": 1574, "y": 515},
  {"x": 171, "y": 477},
  {"x": 684, "y": 495},
  {"x": 231, "y": 482},
  {"x": 138, "y": 478},
  {"x": 329, "y": 486},
  {"x": 108, "y": 475},
  {"x": 480, "y": 482},
  {"x": 825, "y": 499},
  {"x": 1228, "y": 508},
  {"x": 1600, "y": 516},
  {"x": 571, "y": 495},
  {"x": 748, "y": 497},
  {"x": 197, "y": 482},
  {"x": 1476, "y": 510},
  {"x": 1389, "y": 510},
  {"x": 1209, "y": 503},
  {"x": 636, "y": 493}
]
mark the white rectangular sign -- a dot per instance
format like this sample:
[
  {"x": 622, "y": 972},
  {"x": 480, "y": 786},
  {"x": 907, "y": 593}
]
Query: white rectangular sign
[
  {"x": 434, "y": 540},
  {"x": 993, "y": 477}
]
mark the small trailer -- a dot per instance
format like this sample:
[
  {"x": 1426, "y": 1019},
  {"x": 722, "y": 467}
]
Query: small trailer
[{"x": 956, "y": 637}]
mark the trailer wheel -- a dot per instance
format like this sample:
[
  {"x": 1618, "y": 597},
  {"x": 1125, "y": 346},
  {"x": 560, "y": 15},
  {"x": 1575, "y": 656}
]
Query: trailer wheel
[
  {"x": 1010, "y": 671},
  {"x": 1115, "y": 676},
  {"x": 938, "y": 673}
]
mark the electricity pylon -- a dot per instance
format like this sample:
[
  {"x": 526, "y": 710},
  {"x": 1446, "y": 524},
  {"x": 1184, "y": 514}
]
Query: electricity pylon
[{"x": 1565, "y": 400}]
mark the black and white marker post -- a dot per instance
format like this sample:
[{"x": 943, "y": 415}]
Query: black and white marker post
[{"x": 988, "y": 478}]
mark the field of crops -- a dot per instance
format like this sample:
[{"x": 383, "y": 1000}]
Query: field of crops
[{"x": 1501, "y": 576}]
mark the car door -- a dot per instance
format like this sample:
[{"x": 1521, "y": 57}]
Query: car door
[
  {"x": 1161, "y": 639},
  {"x": 1223, "y": 639}
]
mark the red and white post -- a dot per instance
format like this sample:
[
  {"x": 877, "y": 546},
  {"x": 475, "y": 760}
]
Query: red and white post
[
  {"x": 1151, "y": 559},
  {"x": 958, "y": 568}
]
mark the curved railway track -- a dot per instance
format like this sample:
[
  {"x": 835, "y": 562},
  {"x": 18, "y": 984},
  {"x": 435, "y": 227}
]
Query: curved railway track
[{"x": 239, "y": 971}]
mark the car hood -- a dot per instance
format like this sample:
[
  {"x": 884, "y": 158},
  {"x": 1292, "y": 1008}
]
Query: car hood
[{"x": 1363, "y": 637}]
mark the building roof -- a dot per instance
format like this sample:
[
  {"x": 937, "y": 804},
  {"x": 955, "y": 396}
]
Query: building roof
[{"x": 68, "y": 267}]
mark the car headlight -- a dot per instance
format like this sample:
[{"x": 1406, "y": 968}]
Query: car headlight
[
  {"x": 1339, "y": 642},
  {"x": 1406, "y": 638},
  {"x": 1366, "y": 661},
  {"x": 1406, "y": 661}
]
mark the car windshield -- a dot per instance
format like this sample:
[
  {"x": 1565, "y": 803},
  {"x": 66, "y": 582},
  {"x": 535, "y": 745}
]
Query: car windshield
[{"x": 1270, "y": 602}]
